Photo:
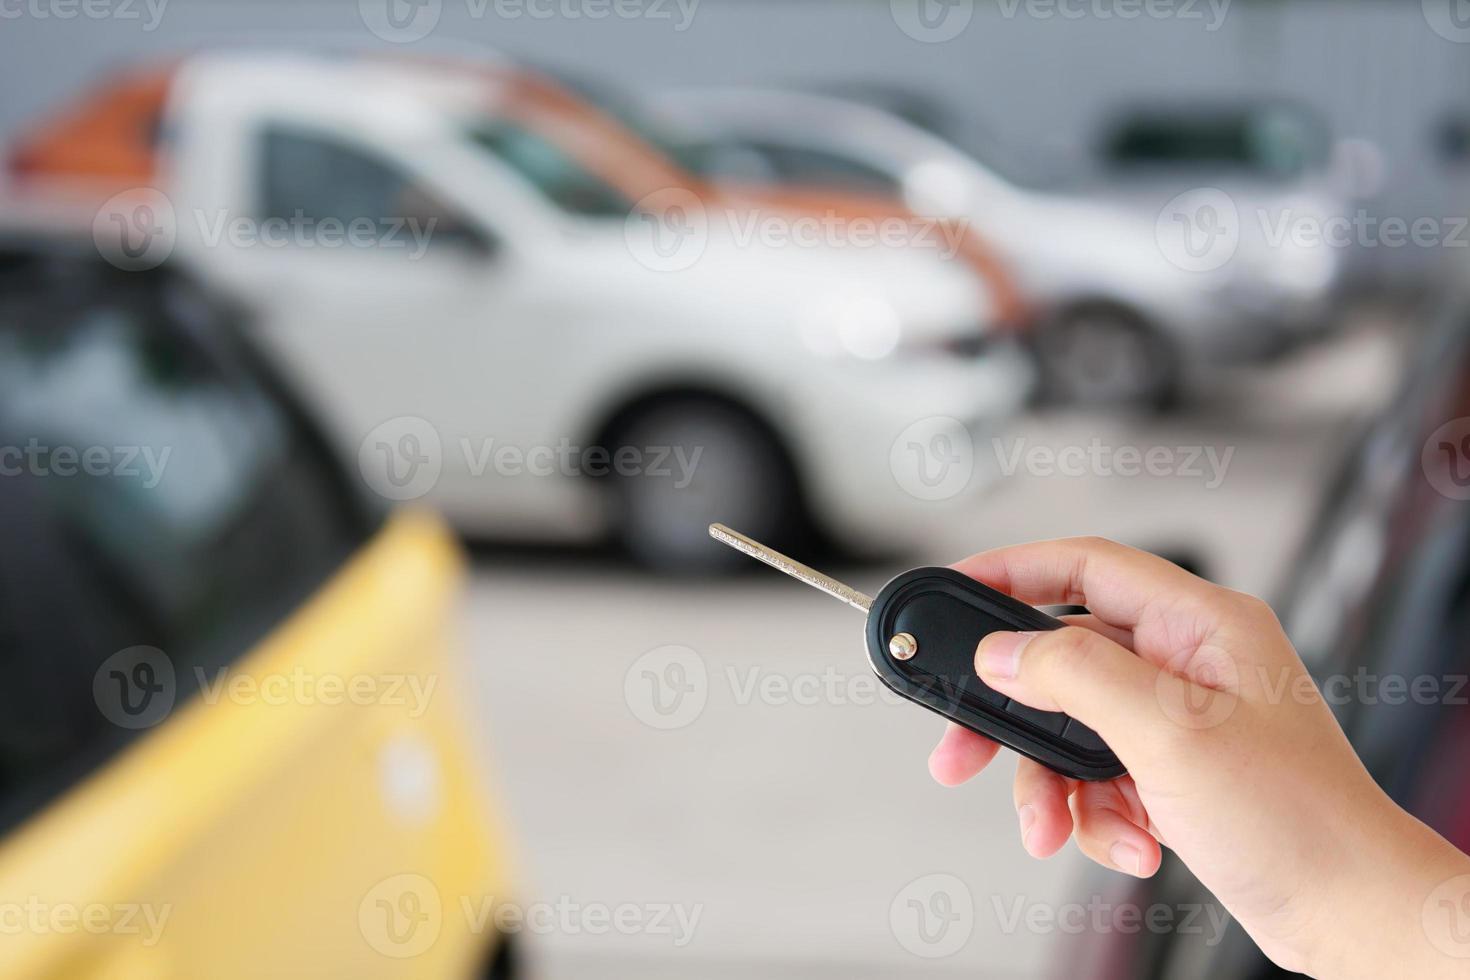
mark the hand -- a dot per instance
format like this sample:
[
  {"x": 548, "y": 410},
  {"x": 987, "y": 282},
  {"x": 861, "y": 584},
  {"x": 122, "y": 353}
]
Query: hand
[{"x": 1235, "y": 762}]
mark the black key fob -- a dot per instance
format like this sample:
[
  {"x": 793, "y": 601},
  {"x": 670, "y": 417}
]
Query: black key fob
[{"x": 921, "y": 634}]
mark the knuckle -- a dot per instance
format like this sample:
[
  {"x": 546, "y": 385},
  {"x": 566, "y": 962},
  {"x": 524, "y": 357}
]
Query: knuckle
[{"x": 1253, "y": 609}]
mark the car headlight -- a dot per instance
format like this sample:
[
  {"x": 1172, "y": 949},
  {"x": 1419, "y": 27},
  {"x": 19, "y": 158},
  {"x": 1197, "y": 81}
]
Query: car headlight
[{"x": 860, "y": 324}]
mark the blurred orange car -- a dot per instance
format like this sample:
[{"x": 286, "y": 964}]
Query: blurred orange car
[{"x": 110, "y": 141}]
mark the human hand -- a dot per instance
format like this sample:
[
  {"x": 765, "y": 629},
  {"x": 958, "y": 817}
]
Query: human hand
[{"x": 1234, "y": 760}]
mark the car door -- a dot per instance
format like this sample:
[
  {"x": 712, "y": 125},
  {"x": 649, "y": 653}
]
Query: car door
[
  {"x": 190, "y": 590},
  {"x": 429, "y": 341}
]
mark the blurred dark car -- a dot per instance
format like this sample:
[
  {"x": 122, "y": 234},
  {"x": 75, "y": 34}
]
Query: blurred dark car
[{"x": 1378, "y": 605}]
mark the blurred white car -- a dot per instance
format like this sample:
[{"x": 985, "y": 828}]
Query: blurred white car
[
  {"x": 1128, "y": 301},
  {"x": 522, "y": 342}
]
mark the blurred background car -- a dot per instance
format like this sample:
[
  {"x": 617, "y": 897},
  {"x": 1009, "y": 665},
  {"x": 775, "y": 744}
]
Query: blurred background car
[
  {"x": 216, "y": 647},
  {"x": 1121, "y": 320},
  {"x": 548, "y": 270}
]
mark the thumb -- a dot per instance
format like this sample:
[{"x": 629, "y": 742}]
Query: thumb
[{"x": 1084, "y": 674}]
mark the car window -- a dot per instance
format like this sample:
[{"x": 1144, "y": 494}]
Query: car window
[
  {"x": 313, "y": 184},
  {"x": 1276, "y": 143},
  {"x": 804, "y": 165},
  {"x": 554, "y": 173},
  {"x": 156, "y": 493}
]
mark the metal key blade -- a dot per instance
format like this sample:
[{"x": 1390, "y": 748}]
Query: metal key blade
[{"x": 792, "y": 567}]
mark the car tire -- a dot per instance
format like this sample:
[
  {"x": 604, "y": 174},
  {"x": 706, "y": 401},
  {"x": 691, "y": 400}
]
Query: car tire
[
  {"x": 1102, "y": 355},
  {"x": 719, "y": 463}
]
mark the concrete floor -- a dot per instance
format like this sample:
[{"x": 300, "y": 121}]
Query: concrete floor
[{"x": 800, "y": 822}]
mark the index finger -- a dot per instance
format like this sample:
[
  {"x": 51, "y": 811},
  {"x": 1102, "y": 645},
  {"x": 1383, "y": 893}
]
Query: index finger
[{"x": 1122, "y": 586}]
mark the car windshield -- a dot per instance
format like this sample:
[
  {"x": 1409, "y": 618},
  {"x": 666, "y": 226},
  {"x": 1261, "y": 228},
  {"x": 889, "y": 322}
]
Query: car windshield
[
  {"x": 554, "y": 173},
  {"x": 625, "y": 110}
]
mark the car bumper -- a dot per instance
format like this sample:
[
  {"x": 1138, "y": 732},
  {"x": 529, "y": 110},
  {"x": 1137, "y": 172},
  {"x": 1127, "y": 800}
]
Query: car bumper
[{"x": 899, "y": 445}]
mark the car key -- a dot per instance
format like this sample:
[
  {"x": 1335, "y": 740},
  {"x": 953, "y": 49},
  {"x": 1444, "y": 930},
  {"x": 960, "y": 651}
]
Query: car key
[{"x": 922, "y": 631}]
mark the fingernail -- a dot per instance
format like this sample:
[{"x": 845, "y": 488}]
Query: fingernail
[
  {"x": 999, "y": 654},
  {"x": 1126, "y": 857},
  {"x": 1027, "y": 814}
]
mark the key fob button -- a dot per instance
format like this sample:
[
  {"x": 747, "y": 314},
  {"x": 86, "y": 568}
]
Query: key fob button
[
  {"x": 1048, "y": 721},
  {"x": 1084, "y": 737}
]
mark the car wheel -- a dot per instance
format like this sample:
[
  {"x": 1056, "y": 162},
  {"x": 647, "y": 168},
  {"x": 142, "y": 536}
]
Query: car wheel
[
  {"x": 1103, "y": 355},
  {"x": 702, "y": 461}
]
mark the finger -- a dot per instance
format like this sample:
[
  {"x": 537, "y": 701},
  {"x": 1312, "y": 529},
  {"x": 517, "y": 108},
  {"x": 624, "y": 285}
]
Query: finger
[
  {"x": 1108, "y": 832},
  {"x": 1086, "y": 675},
  {"x": 1118, "y": 584},
  {"x": 960, "y": 755},
  {"x": 1122, "y": 637},
  {"x": 1041, "y": 808}
]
